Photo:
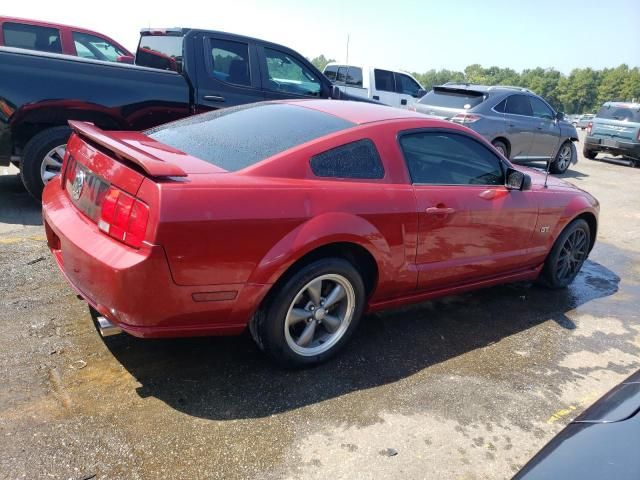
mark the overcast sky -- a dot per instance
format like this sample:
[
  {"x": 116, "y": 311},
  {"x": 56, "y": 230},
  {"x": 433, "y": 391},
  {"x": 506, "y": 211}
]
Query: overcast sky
[{"x": 411, "y": 35}]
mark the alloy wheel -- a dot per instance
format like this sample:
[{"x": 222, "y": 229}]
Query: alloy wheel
[
  {"x": 52, "y": 163},
  {"x": 564, "y": 157},
  {"x": 572, "y": 255},
  {"x": 319, "y": 315}
]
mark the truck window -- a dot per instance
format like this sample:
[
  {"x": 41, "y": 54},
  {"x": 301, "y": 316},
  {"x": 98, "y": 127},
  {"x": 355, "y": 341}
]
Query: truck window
[
  {"x": 406, "y": 85},
  {"x": 230, "y": 61},
  {"x": 32, "y": 37},
  {"x": 160, "y": 51},
  {"x": 90, "y": 46},
  {"x": 384, "y": 80},
  {"x": 354, "y": 76},
  {"x": 286, "y": 74},
  {"x": 342, "y": 74},
  {"x": 330, "y": 72}
]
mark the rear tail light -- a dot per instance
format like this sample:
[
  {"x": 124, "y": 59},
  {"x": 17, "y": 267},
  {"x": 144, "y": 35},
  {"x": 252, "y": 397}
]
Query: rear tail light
[
  {"x": 70, "y": 171},
  {"x": 589, "y": 128},
  {"x": 123, "y": 217},
  {"x": 466, "y": 118}
]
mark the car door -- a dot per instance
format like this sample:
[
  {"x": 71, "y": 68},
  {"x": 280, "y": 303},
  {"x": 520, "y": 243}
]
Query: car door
[
  {"x": 384, "y": 87},
  {"x": 519, "y": 125},
  {"x": 471, "y": 227},
  {"x": 284, "y": 75},
  {"x": 407, "y": 89},
  {"x": 228, "y": 74},
  {"x": 547, "y": 134}
]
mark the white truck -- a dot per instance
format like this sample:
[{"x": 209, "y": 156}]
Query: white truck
[{"x": 391, "y": 87}]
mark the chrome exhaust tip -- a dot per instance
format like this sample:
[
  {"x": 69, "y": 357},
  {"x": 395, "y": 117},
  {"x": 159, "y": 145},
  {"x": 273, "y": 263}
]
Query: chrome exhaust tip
[{"x": 106, "y": 327}]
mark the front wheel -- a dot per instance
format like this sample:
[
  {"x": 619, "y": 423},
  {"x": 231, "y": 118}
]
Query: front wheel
[
  {"x": 312, "y": 314},
  {"x": 567, "y": 255},
  {"x": 566, "y": 154}
]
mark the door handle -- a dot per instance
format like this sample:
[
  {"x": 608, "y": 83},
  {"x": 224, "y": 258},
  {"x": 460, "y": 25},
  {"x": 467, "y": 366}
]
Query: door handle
[
  {"x": 440, "y": 210},
  {"x": 403, "y": 101},
  {"x": 376, "y": 97},
  {"x": 213, "y": 98}
]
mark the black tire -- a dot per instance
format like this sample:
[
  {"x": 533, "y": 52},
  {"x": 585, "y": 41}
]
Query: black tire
[
  {"x": 33, "y": 156},
  {"x": 268, "y": 325},
  {"x": 501, "y": 147},
  {"x": 590, "y": 154},
  {"x": 561, "y": 163},
  {"x": 552, "y": 271}
]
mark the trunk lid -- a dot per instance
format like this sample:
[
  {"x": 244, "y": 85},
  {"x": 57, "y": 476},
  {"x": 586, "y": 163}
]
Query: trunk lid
[
  {"x": 445, "y": 102},
  {"x": 617, "y": 121}
]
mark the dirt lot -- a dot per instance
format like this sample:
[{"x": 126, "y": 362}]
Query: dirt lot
[{"x": 465, "y": 387}]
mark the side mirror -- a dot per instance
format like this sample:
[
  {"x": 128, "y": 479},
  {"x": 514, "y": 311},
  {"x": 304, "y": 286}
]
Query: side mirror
[
  {"x": 517, "y": 180},
  {"x": 420, "y": 93},
  {"x": 125, "y": 59},
  {"x": 559, "y": 116},
  {"x": 336, "y": 93}
]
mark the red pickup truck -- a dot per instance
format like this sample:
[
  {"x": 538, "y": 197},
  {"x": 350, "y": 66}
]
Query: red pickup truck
[{"x": 56, "y": 38}]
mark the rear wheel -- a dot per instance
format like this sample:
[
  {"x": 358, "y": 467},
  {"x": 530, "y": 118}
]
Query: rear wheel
[
  {"x": 312, "y": 314},
  {"x": 501, "y": 147},
  {"x": 566, "y": 154},
  {"x": 590, "y": 154},
  {"x": 567, "y": 255},
  {"x": 42, "y": 158}
]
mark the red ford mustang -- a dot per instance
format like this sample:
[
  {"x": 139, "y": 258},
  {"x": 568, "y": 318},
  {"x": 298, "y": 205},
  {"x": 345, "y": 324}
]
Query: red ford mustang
[{"x": 293, "y": 218}]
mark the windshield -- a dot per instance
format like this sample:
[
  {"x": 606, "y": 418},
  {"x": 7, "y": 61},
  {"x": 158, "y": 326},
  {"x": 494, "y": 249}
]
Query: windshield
[
  {"x": 236, "y": 137},
  {"x": 449, "y": 98},
  {"x": 624, "y": 113}
]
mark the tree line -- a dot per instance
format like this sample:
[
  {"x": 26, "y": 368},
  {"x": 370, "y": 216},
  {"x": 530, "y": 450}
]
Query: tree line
[{"x": 584, "y": 90}]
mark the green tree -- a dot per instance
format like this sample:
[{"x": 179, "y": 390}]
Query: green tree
[{"x": 321, "y": 61}]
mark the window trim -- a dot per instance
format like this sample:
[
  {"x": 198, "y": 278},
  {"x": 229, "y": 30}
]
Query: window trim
[
  {"x": 372, "y": 143},
  {"x": 208, "y": 54},
  {"x": 412, "y": 131}
]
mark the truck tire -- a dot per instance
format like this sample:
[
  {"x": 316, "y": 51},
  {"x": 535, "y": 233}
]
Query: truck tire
[
  {"x": 42, "y": 158},
  {"x": 590, "y": 154}
]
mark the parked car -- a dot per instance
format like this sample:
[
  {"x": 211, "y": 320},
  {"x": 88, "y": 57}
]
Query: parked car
[
  {"x": 615, "y": 129},
  {"x": 519, "y": 124},
  {"x": 601, "y": 443},
  {"x": 192, "y": 71},
  {"x": 390, "y": 87},
  {"x": 573, "y": 119},
  {"x": 57, "y": 38},
  {"x": 293, "y": 218},
  {"x": 583, "y": 121}
]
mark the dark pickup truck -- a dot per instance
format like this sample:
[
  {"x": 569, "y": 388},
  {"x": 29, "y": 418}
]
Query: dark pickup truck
[{"x": 178, "y": 72}]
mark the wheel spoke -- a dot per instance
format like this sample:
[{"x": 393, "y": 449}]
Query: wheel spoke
[
  {"x": 315, "y": 291},
  {"x": 307, "y": 334},
  {"x": 48, "y": 175},
  {"x": 334, "y": 296},
  {"x": 298, "y": 314},
  {"x": 60, "y": 152},
  {"x": 331, "y": 323}
]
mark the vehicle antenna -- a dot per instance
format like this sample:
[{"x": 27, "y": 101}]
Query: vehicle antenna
[{"x": 546, "y": 173}]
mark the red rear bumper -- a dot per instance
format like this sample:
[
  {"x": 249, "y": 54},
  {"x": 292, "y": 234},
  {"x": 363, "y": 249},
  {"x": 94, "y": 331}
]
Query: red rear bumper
[{"x": 134, "y": 288}]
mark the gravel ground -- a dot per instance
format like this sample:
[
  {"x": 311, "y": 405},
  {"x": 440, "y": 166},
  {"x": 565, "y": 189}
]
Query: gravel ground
[{"x": 469, "y": 386}]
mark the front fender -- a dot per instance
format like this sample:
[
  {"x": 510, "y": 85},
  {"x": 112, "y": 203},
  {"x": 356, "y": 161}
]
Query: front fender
[
  {"x": 578, "y": 205},
  {"x": 321, "y": 230}
]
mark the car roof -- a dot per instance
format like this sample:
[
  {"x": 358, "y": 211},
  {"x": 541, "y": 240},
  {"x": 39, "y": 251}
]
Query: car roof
[{"x": 357, "y": 112}]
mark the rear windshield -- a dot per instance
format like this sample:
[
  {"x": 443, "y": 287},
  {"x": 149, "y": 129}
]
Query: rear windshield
[
  {"x": 160, "y": 51},
  {"x": 237, "y": 137},
  {"x": 625, "y": 113},
  {"x": 449, "y": 98}
]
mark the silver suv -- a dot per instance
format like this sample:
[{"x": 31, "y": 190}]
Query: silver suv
[{"x": 519, "y": 124}]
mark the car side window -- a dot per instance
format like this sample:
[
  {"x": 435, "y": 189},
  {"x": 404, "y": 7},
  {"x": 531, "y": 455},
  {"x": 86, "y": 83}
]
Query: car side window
[
  {"x": 358, "y": 160},
  {"x": 90, "y": 46},
  {"x": 384, "y": 80},
  {"x": 500, "y": 107},
  {"x": 406, "y": 85},
  {"x": 331, "y": 72},
  {"x": 287, "y": 74},
  {"x": 354, "y": 76},
  {"x": 32, "y": 37},
  {"x": 230, "y": 61},
  {"x": 448, "y": 158},
  {"x": 342, "y": 74},
  {"x": 540, "y": 109},
  {"x": 518, "y": 105}
]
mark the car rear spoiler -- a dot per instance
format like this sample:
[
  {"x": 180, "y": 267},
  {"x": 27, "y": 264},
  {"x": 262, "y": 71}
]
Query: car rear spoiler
[
  {"x": 466, "y": 91},
  {"x": 153, "y": 166}
]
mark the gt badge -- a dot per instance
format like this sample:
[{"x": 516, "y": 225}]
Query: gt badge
[{"x": 544, "y": 229}]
